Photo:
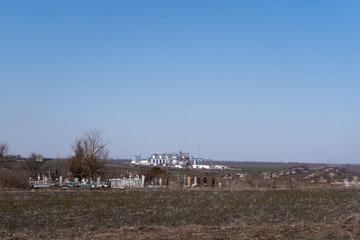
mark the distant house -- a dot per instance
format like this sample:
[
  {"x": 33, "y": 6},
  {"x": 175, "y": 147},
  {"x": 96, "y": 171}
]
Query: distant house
[
  {"x": 201, "y": 166},
  {"x": 220, "y": 167}
]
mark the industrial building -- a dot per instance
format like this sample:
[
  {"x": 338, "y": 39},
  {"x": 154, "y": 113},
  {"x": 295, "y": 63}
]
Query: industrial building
[
  {"x": 179, "y": 160},
  {"x": 170, "y": 159}
]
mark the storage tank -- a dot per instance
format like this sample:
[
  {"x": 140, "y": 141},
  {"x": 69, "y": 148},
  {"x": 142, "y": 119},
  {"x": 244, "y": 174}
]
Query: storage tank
[
  {"x": 135, "y": 158},
  {"x": 161, "y": 158},
  {"x": 175, "y": 159},
  {"x": 168, "y": 159},
  {"x": 183, "y": 163},
  {"x": 153, "y": 158},
  {"x": 184, "y": 160}
]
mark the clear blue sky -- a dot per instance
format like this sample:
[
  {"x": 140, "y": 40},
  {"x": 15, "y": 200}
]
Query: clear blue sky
[{"x": 250, "y": 80}]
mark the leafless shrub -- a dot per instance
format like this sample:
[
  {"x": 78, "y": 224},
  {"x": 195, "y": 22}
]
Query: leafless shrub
[
  {"x": 32, "y": 165},
  {"x": 13, "y": 179},
  {"x": 155, "y": 172},
  {"x": 4, "y": 148}
]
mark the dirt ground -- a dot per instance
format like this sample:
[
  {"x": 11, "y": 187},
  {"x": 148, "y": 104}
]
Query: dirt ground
[
  {"x": 180, "y": 214},
  {"x": 345, "y": 230}
]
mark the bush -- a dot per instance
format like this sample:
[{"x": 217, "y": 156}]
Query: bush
[
  {"x": 13, "y": 179},
  {"x": 155, "y": 172}
]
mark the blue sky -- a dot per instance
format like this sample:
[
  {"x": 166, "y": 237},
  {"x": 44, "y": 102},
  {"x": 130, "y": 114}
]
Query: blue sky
[{"x": 250, "y": 80}]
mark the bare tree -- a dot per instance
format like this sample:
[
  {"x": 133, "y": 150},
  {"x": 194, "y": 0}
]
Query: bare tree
[
  {"x": 90, "y": 154},
  {"x": 33, "y": 164},
  {"x": 4, "y": 148}
]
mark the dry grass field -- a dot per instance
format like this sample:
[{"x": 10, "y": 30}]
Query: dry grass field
[{"x": 180, "y": 214}]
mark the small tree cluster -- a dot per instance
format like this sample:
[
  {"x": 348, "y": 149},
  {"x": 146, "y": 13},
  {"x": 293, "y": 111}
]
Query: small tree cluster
[{"x": 90, "y": 155}]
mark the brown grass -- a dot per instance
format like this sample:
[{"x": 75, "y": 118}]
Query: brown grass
[
  {"x": 273, "y": 214},
  {"x": 13, "y": 179},
  {"x": 337, "y": 230}
]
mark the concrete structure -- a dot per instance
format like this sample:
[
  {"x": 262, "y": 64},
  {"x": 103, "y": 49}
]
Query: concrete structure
[
  {"x": 195, "y": 182},
  {"x": 60, "y": 181},
  {"x": 142, "y": 181},
  {"x": 127, "y": 182},
  {"x": 220, "y": 167},
  {"x": 197, "y": 161},
  {"x": 143, "y": 162},
  {"x": 177, "y": 160},
  {"x": 169, "y": 159},
  {"x": 136, "y": 159},
  {"x": 203, "y": 166},
  {"x": 44, "y": 183}
]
